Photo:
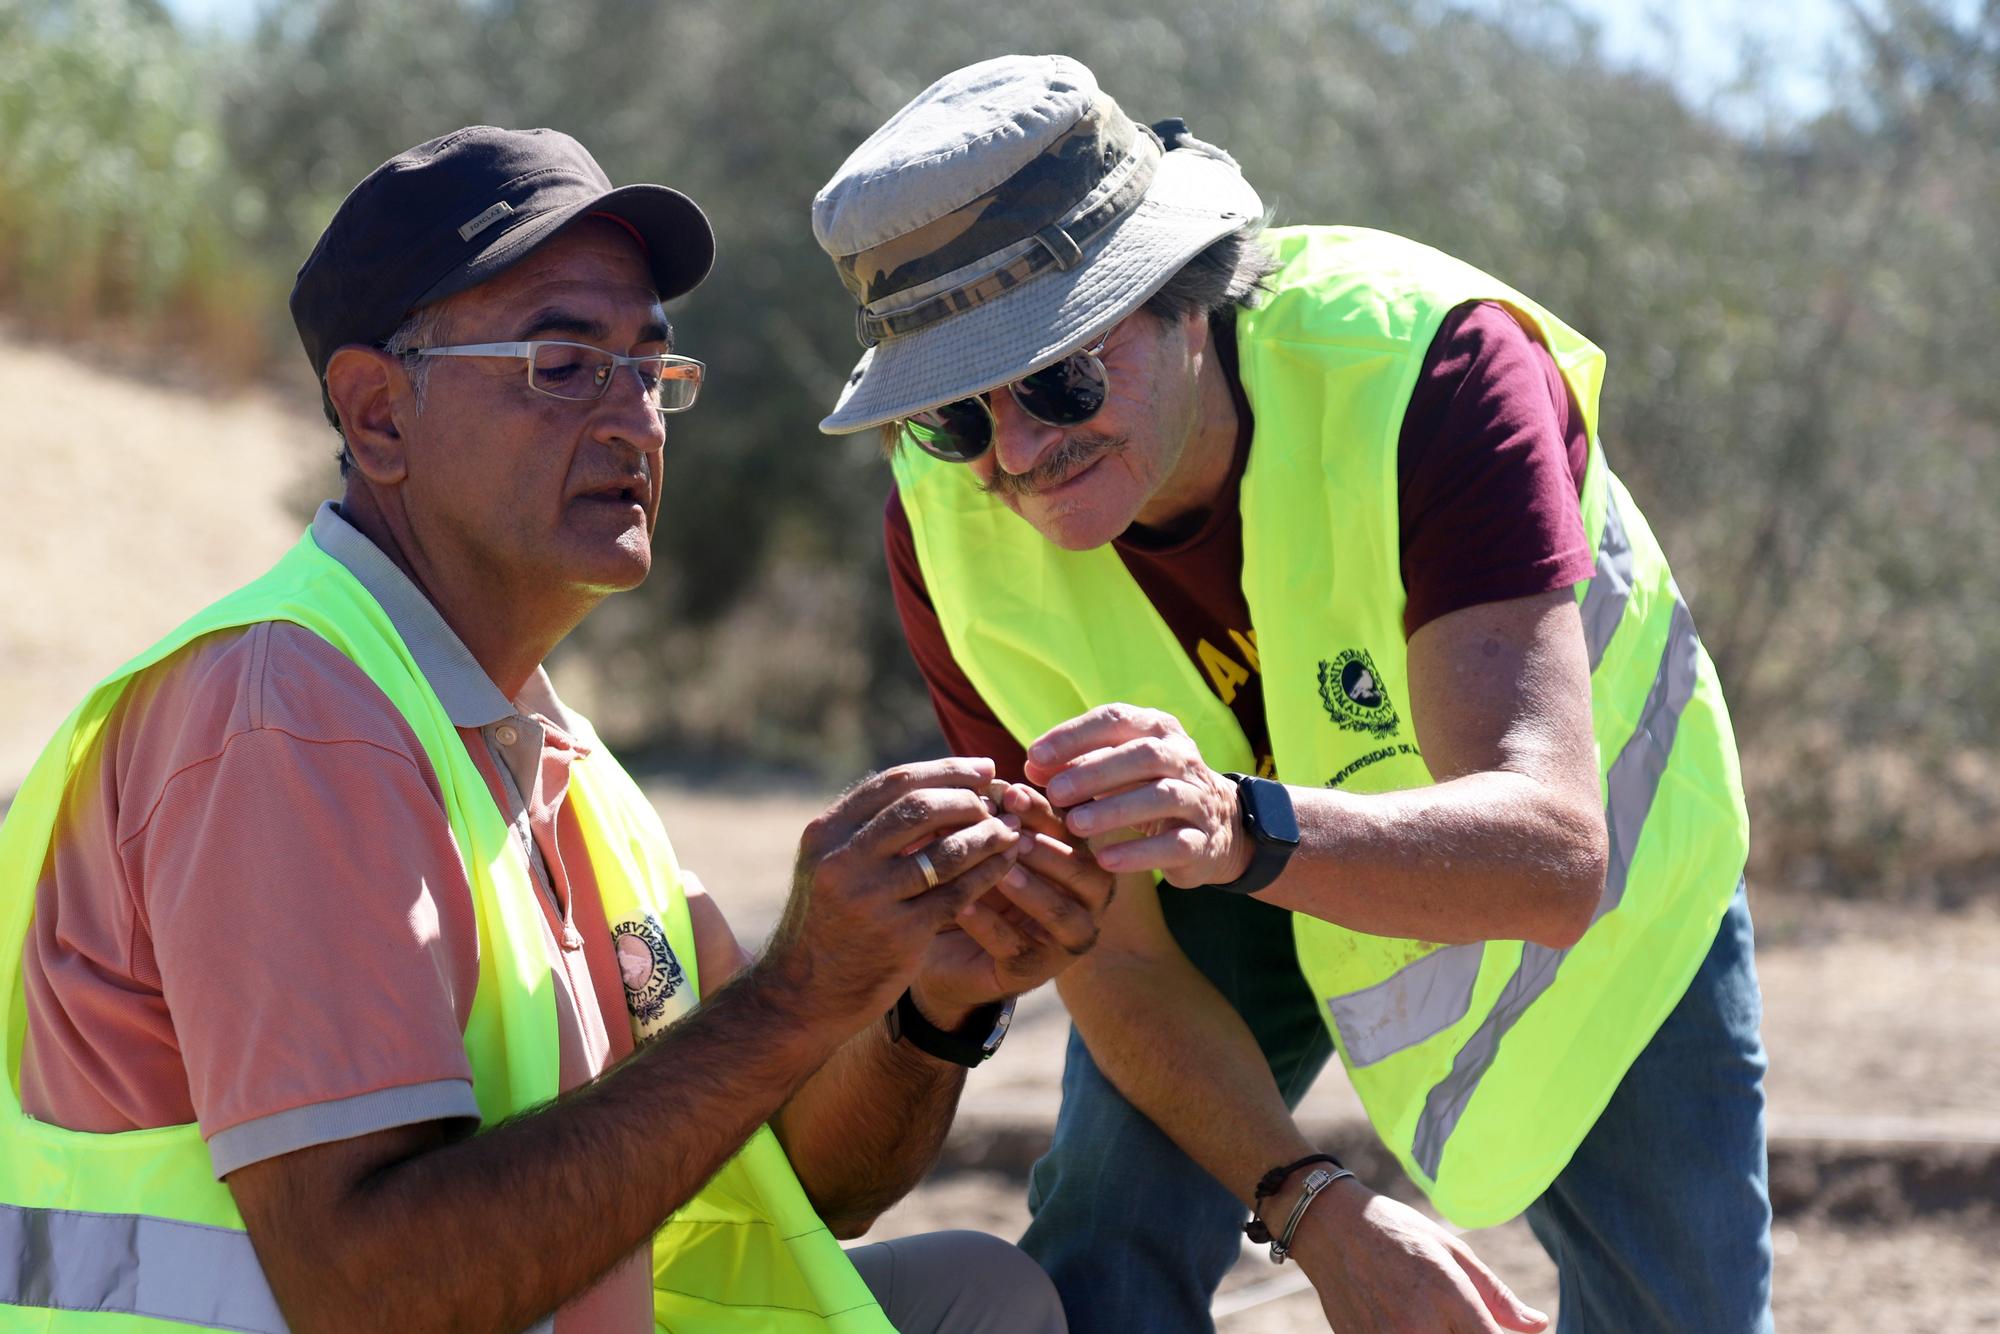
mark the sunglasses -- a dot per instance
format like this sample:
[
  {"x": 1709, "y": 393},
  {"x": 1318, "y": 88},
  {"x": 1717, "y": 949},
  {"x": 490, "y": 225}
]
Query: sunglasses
[{"x": 1068, "y": 393}]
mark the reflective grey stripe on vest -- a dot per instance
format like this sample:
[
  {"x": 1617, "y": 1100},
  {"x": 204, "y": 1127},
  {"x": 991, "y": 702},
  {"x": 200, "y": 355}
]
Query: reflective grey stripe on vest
[
  {"x": 1630, "y": 786},
  {"x": 134, "y": 1264},
  {"x": 1429, "y": 995},
  {"x": 1417, "y": 1001},
  {"x": 1610, "y": 583}
]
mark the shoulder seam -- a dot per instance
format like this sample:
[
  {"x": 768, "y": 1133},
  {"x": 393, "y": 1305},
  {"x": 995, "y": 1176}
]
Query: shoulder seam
[
  {"x": 232, "y": 739},
  {"x": 260, "y": 661}
]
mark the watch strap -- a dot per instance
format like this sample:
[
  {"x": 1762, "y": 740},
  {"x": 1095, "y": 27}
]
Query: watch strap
[
  {"x": 1267, "y": 858},
  {"x": 907, "y": 1024}
]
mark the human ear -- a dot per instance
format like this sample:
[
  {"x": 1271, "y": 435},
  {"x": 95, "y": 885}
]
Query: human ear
[
  {"x": 1194, "y": 328},
  {"x": 370, "y": 389}
]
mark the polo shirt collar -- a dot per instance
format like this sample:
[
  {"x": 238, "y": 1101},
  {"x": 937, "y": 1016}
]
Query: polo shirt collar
[{"x": 462, "y": 685}]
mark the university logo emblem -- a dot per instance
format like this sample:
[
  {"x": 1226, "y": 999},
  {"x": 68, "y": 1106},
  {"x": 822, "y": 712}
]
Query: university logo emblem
[
  {"x": 647, "y": 966},
  {"x": 1353, "y": 693}
]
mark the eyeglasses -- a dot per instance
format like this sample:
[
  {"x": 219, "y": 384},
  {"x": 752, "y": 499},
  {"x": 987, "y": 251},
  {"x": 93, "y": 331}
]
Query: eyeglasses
[
  {"x": 1068, "y": 393},
  {"x": 582, "y": 372}
]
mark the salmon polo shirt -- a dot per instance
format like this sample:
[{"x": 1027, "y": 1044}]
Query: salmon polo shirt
[{"x": 254, "y": 917}]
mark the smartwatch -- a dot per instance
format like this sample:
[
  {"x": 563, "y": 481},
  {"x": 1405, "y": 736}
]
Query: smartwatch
[
  {"x": 907, "y": 1024},
  {"x": 1273, "y": 830}
]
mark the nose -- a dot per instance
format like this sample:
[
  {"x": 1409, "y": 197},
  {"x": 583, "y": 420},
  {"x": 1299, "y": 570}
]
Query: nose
[
  {"x": 1019, "y": 441},
  {"x": 626, "y": 416}
]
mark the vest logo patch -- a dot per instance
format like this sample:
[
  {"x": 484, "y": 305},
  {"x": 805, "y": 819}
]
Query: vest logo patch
[
  {"x": 647, "y": 966},
  {"x": 1353, "y": 693}
]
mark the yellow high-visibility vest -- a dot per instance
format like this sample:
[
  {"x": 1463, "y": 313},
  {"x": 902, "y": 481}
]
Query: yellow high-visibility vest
[
  {"x": 133, "y": 1231},
  {"x": 1481, "y": 1065}
]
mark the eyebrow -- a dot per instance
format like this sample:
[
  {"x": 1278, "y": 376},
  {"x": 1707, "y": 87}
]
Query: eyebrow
[{"x": 557, "y": 320}]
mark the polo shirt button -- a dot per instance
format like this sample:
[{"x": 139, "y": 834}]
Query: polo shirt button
[{"x": 508, "y": 736}]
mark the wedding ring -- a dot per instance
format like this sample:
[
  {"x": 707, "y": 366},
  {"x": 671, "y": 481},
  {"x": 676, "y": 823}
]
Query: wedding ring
[{"x": 924, "y": 865}]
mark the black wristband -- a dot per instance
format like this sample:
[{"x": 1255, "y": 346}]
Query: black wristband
[
  {"x": 1271, "y": 826},
  {"x": 1273, "y": 1181},
  {"x": 907, "y": 1024}
]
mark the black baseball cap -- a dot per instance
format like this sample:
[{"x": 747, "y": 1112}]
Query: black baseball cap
[{"x": 449, "y": 214}]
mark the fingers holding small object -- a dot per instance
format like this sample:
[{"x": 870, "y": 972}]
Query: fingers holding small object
[
  {"x": 1120, "y": 768},
  {"x": 942, "y": 906},
  {"x": 915, "y": 819},
  {"x": 959, "y": 852},
  {"x": 869, "y": 800},
  {"x": 996, "y": 935},
  {"x": 994, "y": 902},
  {"x": 879, "y": 790},
  {"x": 1081, "y": 778},
  {"x": 1168, "y": 851},
  {"x": 1074, "y": 870},
  {"x": 1064, "y": 920},
  {"x": 1030, "y": 806},
  {"x": 1104, "y": 726},
  {"x": 1161, "y": 799}
]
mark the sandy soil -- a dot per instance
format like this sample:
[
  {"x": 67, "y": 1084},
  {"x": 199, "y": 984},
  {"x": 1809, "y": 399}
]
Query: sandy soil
[
  {"x": 1871, "y": 1010},
  {"x": 131, "y": 504},
  {"x": 1879, "y": 1023},
  {"x": 128, "y": 506},
  {"x": 1934, "y": 1275}
]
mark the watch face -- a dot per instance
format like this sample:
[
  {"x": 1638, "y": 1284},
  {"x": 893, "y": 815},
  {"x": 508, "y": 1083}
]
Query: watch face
[
  {"x": 1269, "y": 807},
  {"x": 1000, "y": 1025}
]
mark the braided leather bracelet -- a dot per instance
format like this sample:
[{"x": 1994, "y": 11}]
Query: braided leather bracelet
[{"x": 1257, "y": 1229}]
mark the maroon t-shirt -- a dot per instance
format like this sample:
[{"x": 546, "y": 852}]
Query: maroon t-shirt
[{"x": 1490, "y": 464}]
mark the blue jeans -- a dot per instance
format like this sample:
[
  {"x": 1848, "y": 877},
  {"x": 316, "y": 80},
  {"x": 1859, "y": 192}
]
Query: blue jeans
[{"x": 1660, "y": 1222}]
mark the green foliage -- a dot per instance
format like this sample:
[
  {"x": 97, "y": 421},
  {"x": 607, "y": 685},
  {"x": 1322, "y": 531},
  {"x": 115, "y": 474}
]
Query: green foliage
[
  {"x": 116, "y": 196},
  {"x": 1799, "y": 392}
]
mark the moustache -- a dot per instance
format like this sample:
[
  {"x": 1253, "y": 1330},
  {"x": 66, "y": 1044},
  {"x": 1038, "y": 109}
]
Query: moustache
[
  {"x": 637, "y": 477},
  {"x": 1065, "y": 461}
]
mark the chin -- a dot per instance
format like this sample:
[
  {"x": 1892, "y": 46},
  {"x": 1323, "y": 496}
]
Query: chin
[
  {"x": 1076, "y": 527},
  {"x": 1077, "y": 537},
  {"x": 616, "y": 569}
]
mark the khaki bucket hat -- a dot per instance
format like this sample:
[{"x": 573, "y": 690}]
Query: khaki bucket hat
[{"x": 1003, "y": 219}]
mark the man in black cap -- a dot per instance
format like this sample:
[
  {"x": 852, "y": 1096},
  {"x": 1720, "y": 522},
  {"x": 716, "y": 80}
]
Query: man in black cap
[
  {"x": 1288, "y": 560},
  {"x": 361, "y": 982}
]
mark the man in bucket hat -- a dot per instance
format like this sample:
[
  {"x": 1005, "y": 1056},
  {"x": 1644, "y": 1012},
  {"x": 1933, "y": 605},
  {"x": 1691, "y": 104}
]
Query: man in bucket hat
[
  {"x": 358, "y": 981},
  {"x": 1287, "y": 561}
]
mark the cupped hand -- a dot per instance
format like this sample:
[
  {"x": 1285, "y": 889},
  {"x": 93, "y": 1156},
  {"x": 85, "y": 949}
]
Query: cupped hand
[
  {"x": 862, "y": 914},
  {"x": 1133, "y": 782},
  {"x": 1038, "y": 920}
]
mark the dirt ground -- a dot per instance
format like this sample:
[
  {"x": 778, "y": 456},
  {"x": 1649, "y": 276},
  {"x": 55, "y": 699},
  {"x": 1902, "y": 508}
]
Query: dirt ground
[
  {"x": 1880, "y": 1027},
  {"x": 1931, "y": 1275},
  {"x": 128, "y": 505},
  {"x": 131, "y": 504}
]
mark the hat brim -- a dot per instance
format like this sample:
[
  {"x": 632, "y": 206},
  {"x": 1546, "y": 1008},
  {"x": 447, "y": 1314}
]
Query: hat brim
[
  {"x": 1193, "y": 201},
  {"x": 680, "y": 245}
]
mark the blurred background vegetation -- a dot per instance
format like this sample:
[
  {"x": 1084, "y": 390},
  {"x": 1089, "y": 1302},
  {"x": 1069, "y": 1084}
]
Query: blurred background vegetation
[{"x": 1797, "y": 312}]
